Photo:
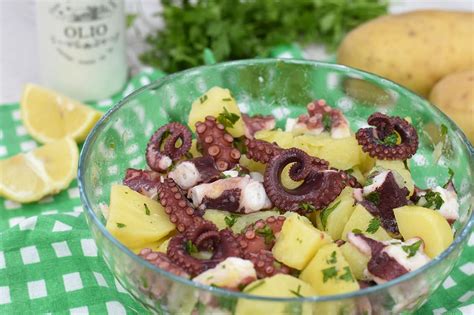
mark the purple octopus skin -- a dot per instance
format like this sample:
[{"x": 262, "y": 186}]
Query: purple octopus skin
[
  {"x": 319, "y": 187},
  {"x": 257, "y": 123},
  {"x": 189, "y": 173},
  {"x": 371, "y": 139},
  {"x": 142, "y": 181},
  {"x": 162, "y": 261},
  {"x": 162, "y": 148},
  {"x": 252, "y": 239},
  {"x": 265, "y": 264}
]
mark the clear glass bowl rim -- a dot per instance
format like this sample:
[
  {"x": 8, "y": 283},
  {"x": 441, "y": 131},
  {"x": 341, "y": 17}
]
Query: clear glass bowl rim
[{"x": 461, "y": 236}]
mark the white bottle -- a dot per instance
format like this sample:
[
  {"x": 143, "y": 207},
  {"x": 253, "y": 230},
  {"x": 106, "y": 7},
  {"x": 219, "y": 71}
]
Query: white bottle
[{"x": 82, "y": 47}]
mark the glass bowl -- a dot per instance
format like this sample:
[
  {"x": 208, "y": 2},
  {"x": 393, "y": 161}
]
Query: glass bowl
[{"x": 282, "y": 88}]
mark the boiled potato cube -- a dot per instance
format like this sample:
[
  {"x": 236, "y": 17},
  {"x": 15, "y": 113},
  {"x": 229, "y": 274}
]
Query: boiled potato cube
[
  {"x": 335, "y": 216},
  {"x": 252, "y": 165},
  {"x": 298, "y": 241},
  {"x": 399, "y": 167},
  {"x": 164, "y": 246},
  {"x": 194, "y": 150},
  {"x": 286, "y": 179},
  {"x": 283, "y": 138},
  {"x": 136, "y": 220},
  {"x": 279, "y": 285},
  {"x": 427, "y": 224},
  {"x": 357, "y": 173},
  {"x": 212, "y": 103},
  {"x": 356, "y": 260},
  {"x": 245, "y": 220},
  {"x": 329, "y": 273},
  {"x": 360, "y": 220},
  {"x": 217, "y": 217}
]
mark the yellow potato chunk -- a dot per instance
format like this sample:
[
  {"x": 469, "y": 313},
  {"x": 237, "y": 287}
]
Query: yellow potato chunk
[
  {"x": 360, "y": 220},
  {"x": 247, "y": 219},
  {"x": 334, "y": 217},
  {"x": 136, "y": 220},
  {"x": 356, "y": 260},
  {"x": 194, "y": 151},
  {"x": 282, "y": 138},
  {"x": 251, "y": 165},
  {"x": 214, "y": 102},
  {"x": 164, "y": 246},
  {"x": 279, "y": 285},
  {"x": 427, "y": 224},
  {"x": 217, "y": 217},
  {"x": 399, "y": 167},
  {"x": 298, "y": 241},
  {"x": 329, "y": 273}
]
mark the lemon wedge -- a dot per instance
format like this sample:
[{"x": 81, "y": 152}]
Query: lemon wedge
[
  {"x": 50, "y": 116},
  {"x": 28, "y": 177}
]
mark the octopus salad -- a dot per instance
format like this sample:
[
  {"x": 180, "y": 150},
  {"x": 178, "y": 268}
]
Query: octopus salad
[{"x": 229, "y": 200}]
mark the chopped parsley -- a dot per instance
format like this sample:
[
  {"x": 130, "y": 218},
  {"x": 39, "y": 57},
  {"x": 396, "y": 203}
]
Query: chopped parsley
[
  {"x": 326, "y": 212},
  {"x": 349, "y": 171},
  {"x": 188, "y": 155},
  {"x": 256, "y": 285},
  {"x": 391, "y": 139},
  {"x": 357, "y": 231},
  {"x": 190, "y": 247},
  {"x": 347, "y": 275},
  {"x": 444, "y": 130},
  {"x": 230, "y": 220},
  {"x": 267, "y": 233},
  {"x": 374, "y": 225},
  {"x": 297, "y": 292},
  {"x": 227, "y": 99},
  {"x": 332, "y": 259},
  {"x": 120, "y": 225},
  {"x": 203, "y": 98},
  {"x": 433, "y": 199},
  {"x": 307, "y": 207},
  {"x": 147, "y": 210},
  {"x": 227, "y": 119},
  {"x": 224, "y": 176},
  {"x": 373, "y": 197},
  {"x": 329, "y": 273},
  {"x": 411, "y": 249},
  {"x": 327, "y": 121}
]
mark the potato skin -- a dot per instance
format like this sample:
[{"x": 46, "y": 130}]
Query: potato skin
[
  {"x": 414, "y": 49},
  {"x": 454, "y": 95}
]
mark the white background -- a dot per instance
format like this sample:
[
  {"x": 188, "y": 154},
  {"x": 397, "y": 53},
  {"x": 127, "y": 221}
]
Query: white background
[{"x": 18, "y": 52}]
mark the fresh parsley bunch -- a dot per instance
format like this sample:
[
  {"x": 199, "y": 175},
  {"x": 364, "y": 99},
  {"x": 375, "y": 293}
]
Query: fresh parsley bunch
[{"x": 237, "y": 29}]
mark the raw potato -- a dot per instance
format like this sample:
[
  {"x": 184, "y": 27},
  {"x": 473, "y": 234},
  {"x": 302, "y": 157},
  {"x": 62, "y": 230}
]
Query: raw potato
[
  {"x": 399, "y": 167},
  {"x": 129, "y": 221},
  {"x": 317, "y": 273},
  {"x": 355, "y": 259},
  {"x": 217, "y": 217},
  {"x": 298, "y": 242},
  {"x": 428, "y": 224},
  {"x": 415, "y": 49},
  {"x": 279, "y": 285},
  {"x": 454, "y": 95},
  {"x": 360, "y": 219},
  {"x": 212, "y": 103}
]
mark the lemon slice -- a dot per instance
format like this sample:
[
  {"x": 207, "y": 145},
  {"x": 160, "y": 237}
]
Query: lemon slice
[
  {"x": 30, "y": 176},
  {"x": 49, "y": 116}
]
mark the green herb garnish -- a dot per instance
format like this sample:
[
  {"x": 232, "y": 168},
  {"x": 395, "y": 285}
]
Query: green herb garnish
[
  {"x": 129, "y": 19},
  {"x": 147, "y": 210},
  {"x": 374, "y": 225},
  {"x": 230, "y": 220},
  {"x": 267, "y": 233},
  {"x": 444, "y": 130},
  {"x": 390, "y": 140},
  {"x": 327, "y": 121},
  {"x": 297, "y": 292},
  {"x": 203, "y": 98},
  {"x": 412, "y": 249},
  {"x": 120, "y": 225},
  {"x": 347, "y": 275},
  {"x": 329, "y": 273},
  {"x": 433, "y": 199},
  {"x": 227, "y": 119},
  {"x": 357, "y": 231},
  {"x": 332, "y": 259},
  {"x": 324, "y": 215},
  {"x": 349, "y": 171},
  {"x": 190, "y": 247},
  {"x": 450, "y": 174},
  {"x": 227, "y": 99},
  {"x": 307, "y": 207},
  {"x": 373, "y": 197}
]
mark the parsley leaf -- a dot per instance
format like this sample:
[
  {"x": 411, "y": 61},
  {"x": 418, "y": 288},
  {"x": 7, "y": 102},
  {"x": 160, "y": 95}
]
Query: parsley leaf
[
  {"x": 120, "y": 225},
  {"x": 297, "y": 292},
  {"x": 450, "y": 174},
  {"x": 324, "y": 215},
  {"x": 147, "y": 210},
  {"x": 391, "y": 139},
  {"x": 411, "y": 249},
  {"x": 433, "y": 199},
  {"x": 443, "y": 130},
  {"x": 347, "y": 275},
  {"x": 357, "y": 231},
  {"x": 227, "y": 119},
  {"x": 332, "y": 259},
  {"x": 190, "y": 247},
  {"x": 327, "y": 121},
  {"x": 373, "y": 197},
  {"x": 227, "y": 99},
  {"x": 374, "y": 225},
  {"x": 307, "y": 207},
  {"x": 349, "y": 171},
  {"x": 203, "y": 98},
  {"x": 329, "y": 273},
  {"x": 267, "y": 233},
  {"x": 230, "y": 220}
]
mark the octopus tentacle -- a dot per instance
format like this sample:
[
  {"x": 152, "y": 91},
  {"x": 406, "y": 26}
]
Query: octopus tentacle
[
  {"x": 142, "y": 181},
  {"x": 252, "y": 239},
  {"x": 265, "y": 264},
  {"x": 319, "y": 188},
  {"x": 217, "y": 143},
  {"x": 162, "y": 148},
  {"x": 162, "y": 261},
  {"x": 372, "y": 139},
  {"x": 257, "y": 123}
]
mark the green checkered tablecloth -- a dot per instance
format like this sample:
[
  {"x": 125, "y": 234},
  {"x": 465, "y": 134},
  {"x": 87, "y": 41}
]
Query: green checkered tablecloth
[{"x": 49, "y": 261}]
